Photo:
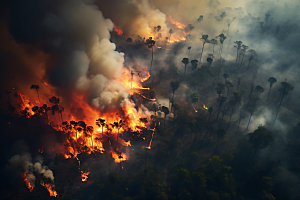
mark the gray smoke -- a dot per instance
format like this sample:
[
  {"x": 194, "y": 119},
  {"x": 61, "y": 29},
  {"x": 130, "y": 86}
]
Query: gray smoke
[{"x": 25, "y": 163}]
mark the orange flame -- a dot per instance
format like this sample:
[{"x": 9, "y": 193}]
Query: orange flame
[
  {"x": 84, "y": 176},
  {"x": 51, "y": 191},
  {"x": 27, "y": 182},
  {"x": 26, "y": 105},
  {"x": 204, "y": 107},
  {"x": 119, "y": 157}
]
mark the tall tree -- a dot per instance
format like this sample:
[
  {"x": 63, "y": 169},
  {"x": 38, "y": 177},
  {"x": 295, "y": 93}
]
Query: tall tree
[
  {"x": 150, "y": 44},
  {"x": 238, "y": 45},
  {"x": 271, "y": 81},
  {"x": 204, "y": 39},
  {"x": 101, "y": 123},
  {"x": 222, "y": 38},
  {"x": 185, "y": 61}
]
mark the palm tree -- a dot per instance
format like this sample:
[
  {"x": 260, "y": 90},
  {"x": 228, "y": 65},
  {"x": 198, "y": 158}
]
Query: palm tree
[
  {"x": 238, "y": 45},
  {"x": 118, "y": 125},
  {"x": 194, "y": 64},
  {"x": 284, "y": 90},
  {"x": 101, "y": 123},
  {"x": 221, "y": 37},
  {"x": 185, "y": 61},
  {"x": 36, "y": 88},
  {"x": 204, "y": 38},
  {"x": 150, "y": 43},
  {"x": 271, "y": 80}
]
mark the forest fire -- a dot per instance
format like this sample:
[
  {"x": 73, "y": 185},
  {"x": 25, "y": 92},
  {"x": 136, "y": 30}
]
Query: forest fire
[
  {"x": 27, "y": 182},
  {"x": 97, "y": 130},
  {"x": 49, "y": 188}
]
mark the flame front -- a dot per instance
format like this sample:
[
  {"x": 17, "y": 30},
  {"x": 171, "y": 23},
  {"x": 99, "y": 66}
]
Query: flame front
[{"x": 50, "y": 189}]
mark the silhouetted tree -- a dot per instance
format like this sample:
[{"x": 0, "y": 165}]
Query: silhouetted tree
[
  {"x": 238, "y": 45},
  {"x": 204, "y": 39},
  {"x": 222, "y": 38},
  {"x": 185, "y": 61},
  {"x": 271, "y": 80},
  {"x": 101, "y": 123},
  {"x": 118, "y": 125},
  {"x": 150, "y": 43}
]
